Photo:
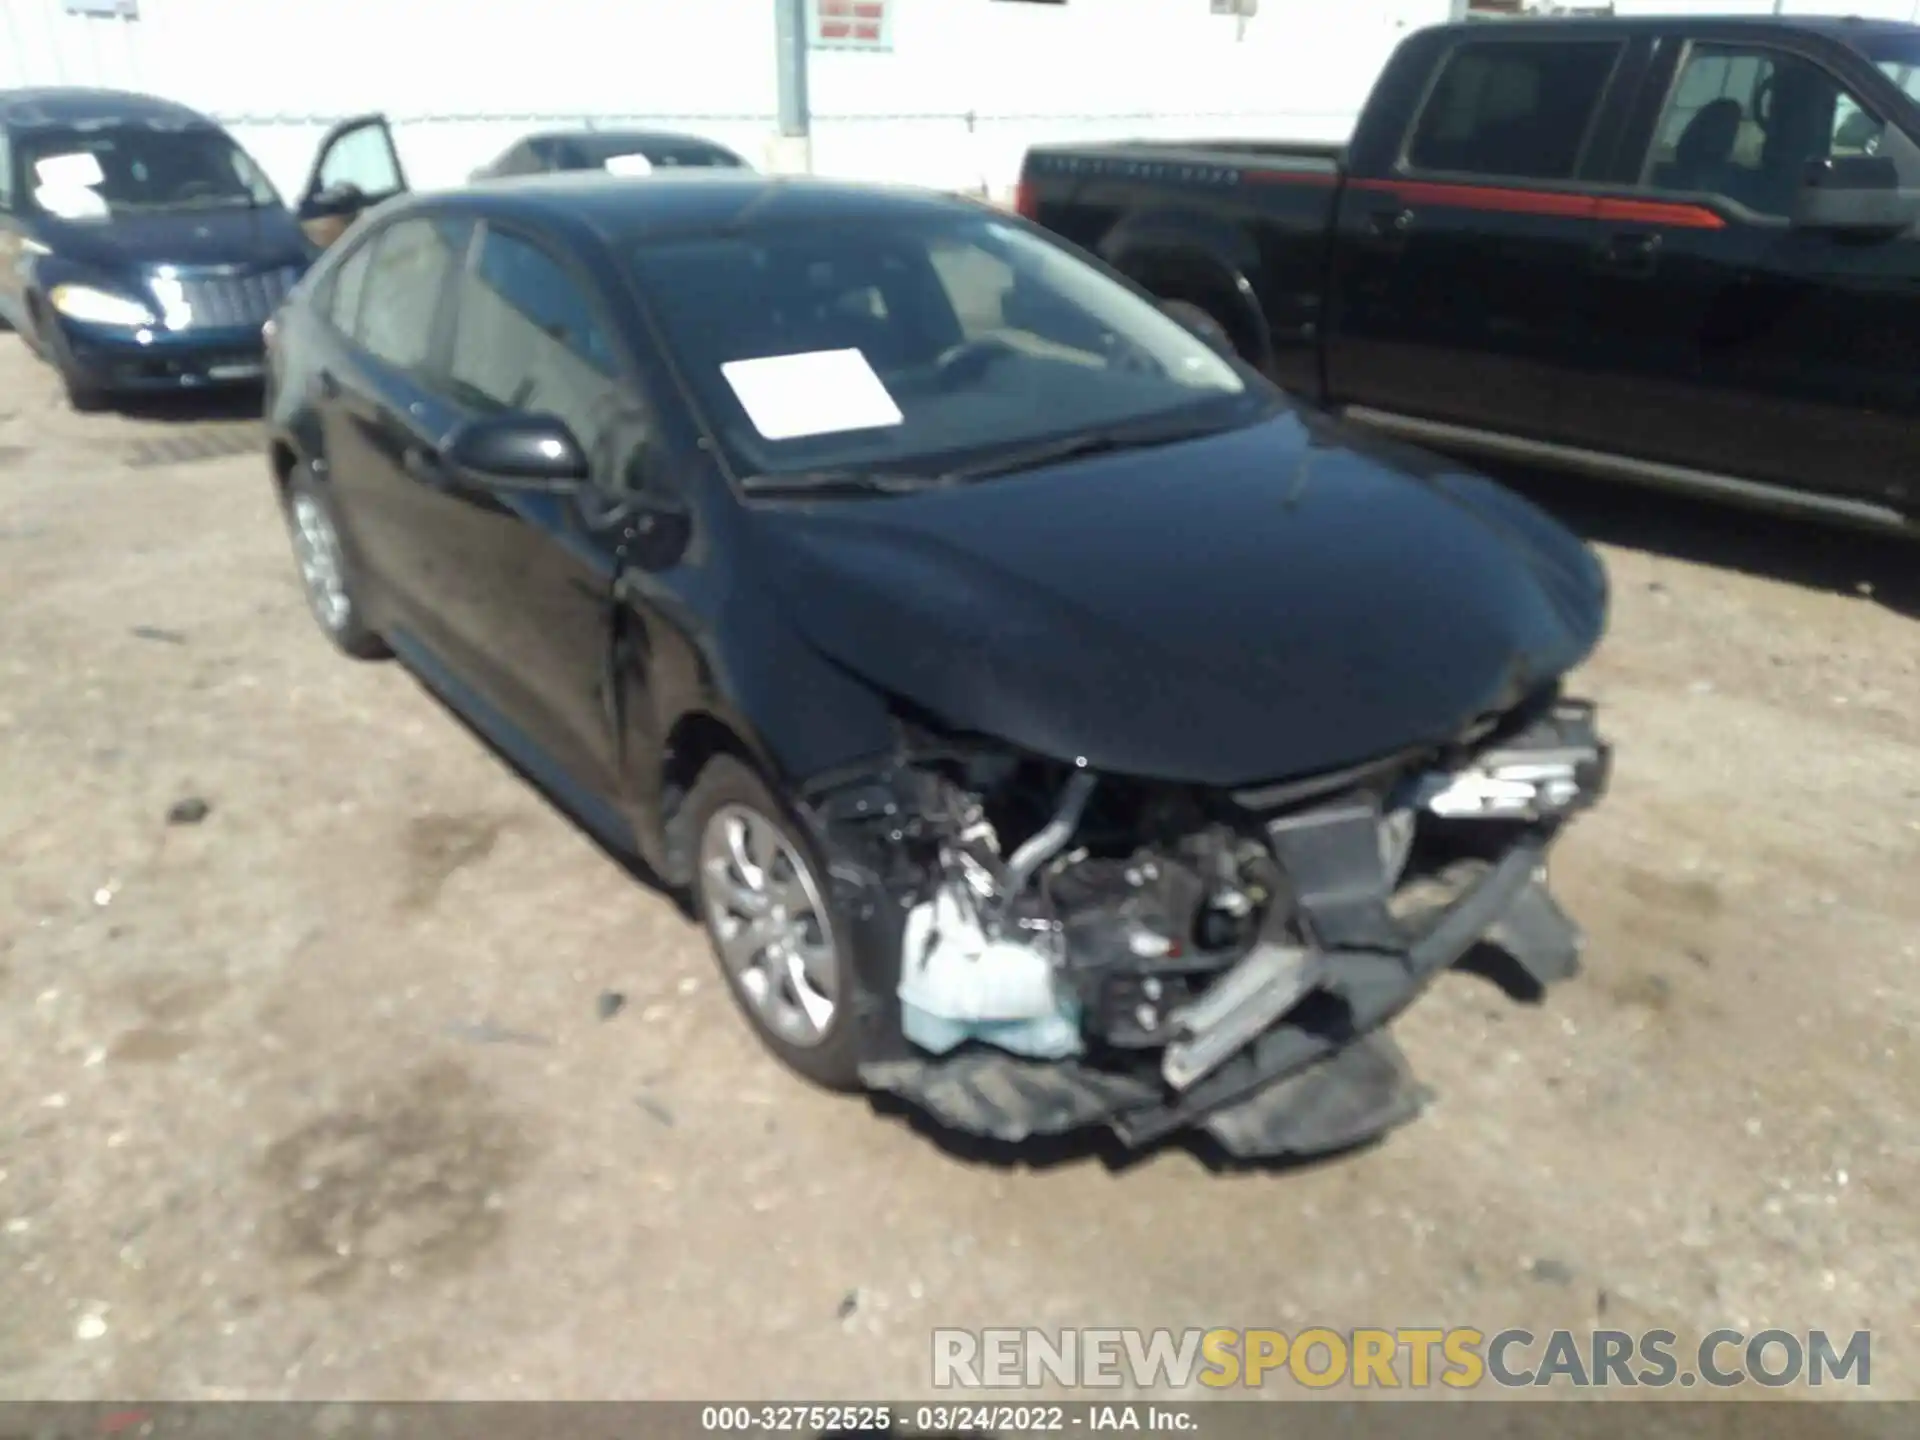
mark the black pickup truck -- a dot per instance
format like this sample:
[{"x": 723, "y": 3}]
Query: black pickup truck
[{"x": 1680, "y": 251}]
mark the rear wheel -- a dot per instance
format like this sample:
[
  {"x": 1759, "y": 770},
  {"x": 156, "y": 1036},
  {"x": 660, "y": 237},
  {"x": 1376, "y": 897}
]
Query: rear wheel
[
  {"x": 326, "y": 572},
  {"x": 761, "y": 884}
]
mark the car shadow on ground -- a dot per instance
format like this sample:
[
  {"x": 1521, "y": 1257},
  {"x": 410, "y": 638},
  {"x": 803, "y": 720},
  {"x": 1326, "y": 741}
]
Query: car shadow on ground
[
  {"x": 1813, "y": 554},
  {"x": 227, "y": 404},
  {"x": 636, "y": 868},
  {"x": 1100, "y": 1147}
]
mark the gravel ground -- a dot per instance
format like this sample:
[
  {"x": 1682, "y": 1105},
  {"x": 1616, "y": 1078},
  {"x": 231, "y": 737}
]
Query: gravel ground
[{"x": 311, "y": 1095}]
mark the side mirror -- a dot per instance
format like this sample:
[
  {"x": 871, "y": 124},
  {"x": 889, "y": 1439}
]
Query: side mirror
[
  {"x": 518, "y": 452},
  {"x": 1859, "y": 193}
]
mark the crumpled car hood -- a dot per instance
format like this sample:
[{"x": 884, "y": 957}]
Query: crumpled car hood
[{"x": 1255, "y": 605}]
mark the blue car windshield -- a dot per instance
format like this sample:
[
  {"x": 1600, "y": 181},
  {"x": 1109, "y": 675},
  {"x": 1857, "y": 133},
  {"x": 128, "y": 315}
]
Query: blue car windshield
[
  {"x": 93, "y": 172},
  {"x": 913, "y": 343}
]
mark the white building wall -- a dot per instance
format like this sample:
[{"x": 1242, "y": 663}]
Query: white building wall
[{"x": 968, "y": 85}]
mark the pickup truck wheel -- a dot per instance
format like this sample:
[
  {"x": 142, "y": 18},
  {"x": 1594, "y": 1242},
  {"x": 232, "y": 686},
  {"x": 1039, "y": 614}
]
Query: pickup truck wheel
[
  {"x": 1201, "y": 322},
  {"x": 761, "y": 885}
]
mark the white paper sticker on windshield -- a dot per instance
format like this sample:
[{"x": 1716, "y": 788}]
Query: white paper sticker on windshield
[
  {"x": 823, "y": 392},
  {"x": 69, "y": 172},
  {"x": 629, "y": 165},
  {"x": 70, "y": 202}
]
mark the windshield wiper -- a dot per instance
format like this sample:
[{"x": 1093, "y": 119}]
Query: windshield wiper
[
  {"x": 839, "y": 482},
  {"x": 1087, "y": 442}
]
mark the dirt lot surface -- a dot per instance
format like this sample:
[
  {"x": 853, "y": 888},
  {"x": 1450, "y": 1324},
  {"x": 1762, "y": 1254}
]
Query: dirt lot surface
[{"x": 314, "y": 1097}]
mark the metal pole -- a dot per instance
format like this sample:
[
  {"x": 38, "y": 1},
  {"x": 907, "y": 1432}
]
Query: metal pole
[{"x": 791, "y": 151}]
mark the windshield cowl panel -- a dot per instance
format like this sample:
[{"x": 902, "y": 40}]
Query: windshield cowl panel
[{"x": 923, "y": 348}]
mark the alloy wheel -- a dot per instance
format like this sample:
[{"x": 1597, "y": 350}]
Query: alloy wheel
[
  {"x": 316, "y": 546},
  {"x": 767, "y": 917}
]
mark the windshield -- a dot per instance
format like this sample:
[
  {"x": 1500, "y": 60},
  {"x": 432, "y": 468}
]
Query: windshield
[
  {"x": 127, "y": 169},
  {"x": 910, "y": 345}
]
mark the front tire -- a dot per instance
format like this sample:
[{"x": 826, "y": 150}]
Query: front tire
[
  {"x": 82, "y": 398},
  {"x": 761, "y": 886},
  {"x": 326, "y": 573}
]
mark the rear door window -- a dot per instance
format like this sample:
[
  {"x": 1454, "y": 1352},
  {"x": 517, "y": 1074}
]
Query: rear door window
[
  {"x": 400, "y": 294},
  {"x": 1512, "y": 109},
  {"x": 341, "y": 301}
]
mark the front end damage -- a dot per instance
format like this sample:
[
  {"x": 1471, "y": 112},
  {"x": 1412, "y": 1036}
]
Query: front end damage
[{"x": 1046, "y": 950}]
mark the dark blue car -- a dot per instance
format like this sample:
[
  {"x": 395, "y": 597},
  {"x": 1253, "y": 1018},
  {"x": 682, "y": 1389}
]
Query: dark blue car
[{"x": 142, "y": 250}]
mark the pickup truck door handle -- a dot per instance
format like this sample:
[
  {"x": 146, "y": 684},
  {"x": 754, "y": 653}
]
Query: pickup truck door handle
[
  {"x": 1632, "y": 253},
  {"x": 1390, "y": 225}
]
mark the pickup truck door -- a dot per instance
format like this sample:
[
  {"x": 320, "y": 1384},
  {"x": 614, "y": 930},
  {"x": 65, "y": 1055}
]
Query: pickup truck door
[
  {"x": 1718, "y": 336},
  {"x": 1456, "y": 251}
]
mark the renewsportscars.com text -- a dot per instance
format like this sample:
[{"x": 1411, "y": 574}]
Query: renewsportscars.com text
[{"x": 1460, "y": 1358}]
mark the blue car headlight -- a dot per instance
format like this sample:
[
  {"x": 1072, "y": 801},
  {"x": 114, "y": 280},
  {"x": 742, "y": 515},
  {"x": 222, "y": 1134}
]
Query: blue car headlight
[{"x": 91, "y": 305}]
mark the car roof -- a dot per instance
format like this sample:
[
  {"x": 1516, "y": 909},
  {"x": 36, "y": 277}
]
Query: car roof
[
  {"x": 61, "y": 106},
  {"x": 604, "y": 140},
  {"x": 1838, "y": 27},
  {"x": 619, "y": 209}
]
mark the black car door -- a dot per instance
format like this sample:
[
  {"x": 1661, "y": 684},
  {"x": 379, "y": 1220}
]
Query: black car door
[
  {"x": 1723, "y": 337},
  {"x": 531, "y": 334},
  {"x": 1453, "y": 257},
  {"x": 383, "y": 416}
]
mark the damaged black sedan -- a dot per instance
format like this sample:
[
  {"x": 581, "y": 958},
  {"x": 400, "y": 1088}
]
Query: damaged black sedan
[{"x": 1052, "y": 723}]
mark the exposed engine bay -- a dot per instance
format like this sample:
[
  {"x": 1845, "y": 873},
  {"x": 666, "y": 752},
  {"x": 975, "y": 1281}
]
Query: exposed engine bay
[{"x": 1070, "y": 950}]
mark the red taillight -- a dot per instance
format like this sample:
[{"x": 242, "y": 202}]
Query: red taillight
[{"x": 1025, "y": 202}]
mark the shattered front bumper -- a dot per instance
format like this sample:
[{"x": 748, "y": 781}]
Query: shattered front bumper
[
  {"x": 1323, "y": 1078},
  {"x": 1314, "y": 1071}
]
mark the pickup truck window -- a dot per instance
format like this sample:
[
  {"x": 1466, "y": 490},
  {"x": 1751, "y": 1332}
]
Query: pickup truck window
[
  {"x": 1512, "y": 109},
  {"x": 1743, "y": 122}
]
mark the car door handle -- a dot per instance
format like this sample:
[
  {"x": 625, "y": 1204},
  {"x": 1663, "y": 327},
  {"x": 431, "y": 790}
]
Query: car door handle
[{"x": 329, "y": 385}]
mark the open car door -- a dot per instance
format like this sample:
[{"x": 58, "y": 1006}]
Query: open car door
[{"x": 355, "y": 169}]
